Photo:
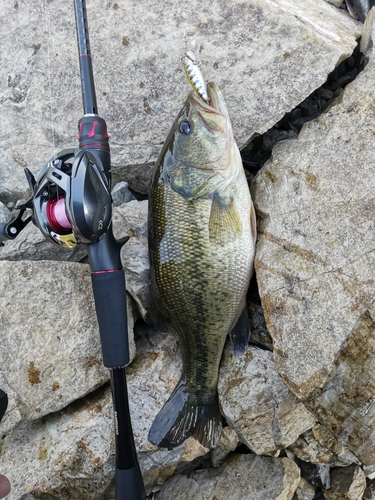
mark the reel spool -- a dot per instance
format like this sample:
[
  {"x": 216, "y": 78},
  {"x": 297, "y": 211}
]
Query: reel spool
[{"x": 71, "y": 199}]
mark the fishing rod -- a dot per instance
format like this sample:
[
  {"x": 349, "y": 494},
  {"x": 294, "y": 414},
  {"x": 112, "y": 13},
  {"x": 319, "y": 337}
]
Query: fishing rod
[{"x": 71, "y": 204}]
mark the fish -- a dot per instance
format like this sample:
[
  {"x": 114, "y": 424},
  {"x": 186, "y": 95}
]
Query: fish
[{"x": 202, "y": 233}]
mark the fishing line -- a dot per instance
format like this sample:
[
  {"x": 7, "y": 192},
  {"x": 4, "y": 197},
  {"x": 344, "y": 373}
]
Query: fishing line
[
  {"x": 178, "y": 12},
  {"x": 52, "y": 124}
]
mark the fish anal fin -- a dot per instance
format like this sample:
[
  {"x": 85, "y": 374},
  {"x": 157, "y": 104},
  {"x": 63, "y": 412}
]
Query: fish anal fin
[
  {"x": 225, "y": 222},
  {"x": 181, "y": 417},
  {"x": 240, "y": 335}
]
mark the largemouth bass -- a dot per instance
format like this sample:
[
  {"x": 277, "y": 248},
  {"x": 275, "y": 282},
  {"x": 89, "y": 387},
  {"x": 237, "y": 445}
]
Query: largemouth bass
[{"x": 202, "y": 234}]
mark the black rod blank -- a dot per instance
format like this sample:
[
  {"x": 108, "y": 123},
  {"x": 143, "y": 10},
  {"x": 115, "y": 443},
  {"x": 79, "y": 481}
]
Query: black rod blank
[{"x": 85, "y": 63}]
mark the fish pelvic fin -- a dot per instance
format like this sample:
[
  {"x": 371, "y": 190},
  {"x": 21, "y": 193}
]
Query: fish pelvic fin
[
  {"x": 240, "y": 335},
  {"x": 181, "y": 417}
]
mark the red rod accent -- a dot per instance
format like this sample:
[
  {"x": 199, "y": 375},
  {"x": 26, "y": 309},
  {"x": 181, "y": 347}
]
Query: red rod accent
[
  {"x": 92, "y": 131},
  {"x": 106, "y": 271}
]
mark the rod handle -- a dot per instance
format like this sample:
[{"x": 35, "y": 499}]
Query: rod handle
[
  {"x": 110, "y": 303},
  {"x": 129, "y": 484}
]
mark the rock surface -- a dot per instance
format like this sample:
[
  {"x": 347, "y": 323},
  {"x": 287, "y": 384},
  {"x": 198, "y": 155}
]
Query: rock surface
[
  {"x": 369, "y": 493},
  {"x": 319, "y": 446},
  {"x": 314, "y": 263},
  {"x": 130, "y": 219},
  {"x": 257, "y": 404},
  {"x": 69, "y": 454},
  {"x": 255, "y": 52},
  {"x": 50, "y": 352},
  {"x": 30, "y": 244},
  {"x": 347, "y": 483},
  {"x": 241, "y": 477},
  {"x": 304, "y": 491},
  {"x": 121, "y": 194}
]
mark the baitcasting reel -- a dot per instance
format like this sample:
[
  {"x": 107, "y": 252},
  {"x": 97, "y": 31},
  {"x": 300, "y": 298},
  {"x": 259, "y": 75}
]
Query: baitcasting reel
[{"x": 71, "y": 199}]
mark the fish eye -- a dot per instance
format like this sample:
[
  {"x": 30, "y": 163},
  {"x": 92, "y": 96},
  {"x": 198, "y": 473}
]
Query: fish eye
[{"x": 185, "y": 128}]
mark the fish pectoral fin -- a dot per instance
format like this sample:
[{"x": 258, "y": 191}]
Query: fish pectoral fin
[
  {"x": 240, "y": 335},
  {"x": 225, "y": 222},
  {"x": 181, "y": 417}
]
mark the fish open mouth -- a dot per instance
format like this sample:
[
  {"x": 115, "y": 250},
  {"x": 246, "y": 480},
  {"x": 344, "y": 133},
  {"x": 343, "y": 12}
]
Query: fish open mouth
[
  {"x": 213, "y": 114},
  {"x": 216, "y": 99},
  {"x": 216, "y": 103}
]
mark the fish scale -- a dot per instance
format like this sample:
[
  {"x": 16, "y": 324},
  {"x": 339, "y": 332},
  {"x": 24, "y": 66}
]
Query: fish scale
[{"x": 196, "y": 314}]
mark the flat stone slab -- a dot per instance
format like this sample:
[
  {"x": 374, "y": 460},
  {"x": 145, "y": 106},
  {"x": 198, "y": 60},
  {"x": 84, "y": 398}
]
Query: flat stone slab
[{"x": 257, "y": 404}]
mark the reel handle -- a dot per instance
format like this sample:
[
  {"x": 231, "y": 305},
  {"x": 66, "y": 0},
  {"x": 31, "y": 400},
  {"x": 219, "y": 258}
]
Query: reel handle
[{"x": 10, "y": 230}]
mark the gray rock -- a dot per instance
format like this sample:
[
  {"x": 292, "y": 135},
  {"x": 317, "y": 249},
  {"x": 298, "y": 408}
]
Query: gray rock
[
  {"x": 76, "y": 443},
  {"x": 130, "y": 219},
  {"x": 366, "y": 45},
  {"x": 266, "y": 57},
  {"x": 228, "y": 442},
  {"x": 68, "y": 455},
  {"x": 257, "y": 404},
  {"x": 369, "y": 471},
  {"x": 336, "y": 3},
  {"x": 319, "y": 446},
  {"x": 369, "y": 493},
  {"x": 304, "y": 491},
  {"x": 30, "y": 244},
  {"x": 315, "y": 259},
  {"x": 345, "y": 403},
  {"x": 51, "y": 353},
  {"x": 348, "y": 483},
  {"x": 121, "y": 194},
  {"x": 5, "y": 213},
  {"x": 241, "y": 477},
  {"x": 359, "y": 8},
  {"x": 317, "y": 475}
]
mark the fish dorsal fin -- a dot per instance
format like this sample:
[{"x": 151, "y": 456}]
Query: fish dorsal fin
[
  {"x": 240, "y": 335},
  {"x": 225, "y": 222}
]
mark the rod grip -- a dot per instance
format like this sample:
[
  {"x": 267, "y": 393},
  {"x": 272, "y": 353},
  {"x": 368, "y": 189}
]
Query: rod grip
[
  {"x": 129, "y": 484},
  {"x": 110, "y": 302}
]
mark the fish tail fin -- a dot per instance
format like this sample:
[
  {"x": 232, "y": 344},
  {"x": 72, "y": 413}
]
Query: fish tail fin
[
  {"x": 181, "y": 417},
  {"x": 240, "y": 335}
]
